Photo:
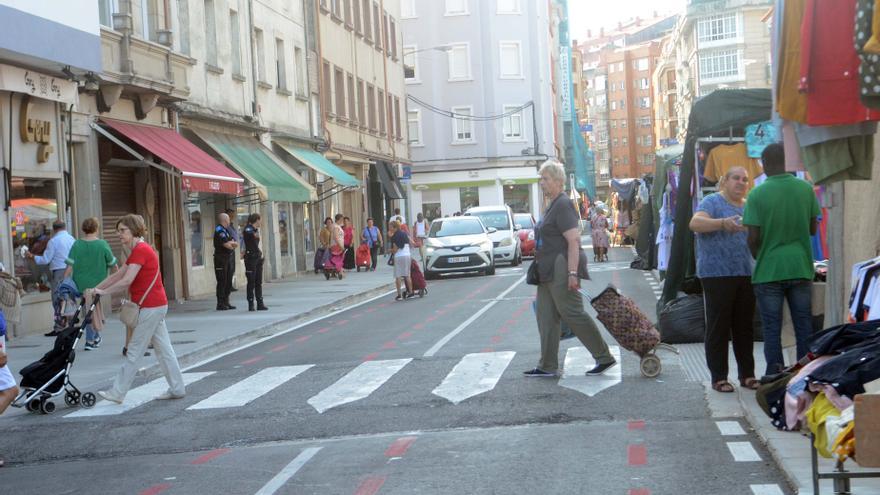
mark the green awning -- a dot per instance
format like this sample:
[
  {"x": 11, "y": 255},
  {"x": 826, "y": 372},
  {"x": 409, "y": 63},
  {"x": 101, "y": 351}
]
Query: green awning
[
  {"x": 275, "y": 180},
  {"x": 318, "y": 163}
]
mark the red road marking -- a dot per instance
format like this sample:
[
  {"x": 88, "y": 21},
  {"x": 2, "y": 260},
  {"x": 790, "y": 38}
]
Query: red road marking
[
  {"x": 210, "y": 456},
  {"x": 430, "y": 319},
  {"x": 496, "y": 339},
  {"x": 156, "y": 489},
  {"x": 253, "y": 360},
  {"x": 370, "y": 310},
  {"x": 279, "y": 348},
  {"x": 383, "y": 305},
  {"x": 303, "y": 338},
  {"x": 488, "y": 349},
  {"x": 324, "y": 330},
  {"x": 400, "y": 446},
  {"x": 370, "y": 486},
  {"x": 389, "y": 345},
  {"x": 405, "y": 335},
  {"x": 637, "y": 455},
  {"x": 343, "y": 322},
  {"x": 418, "y": 326},
  {"x": 371, "y": 356},
  {"x": 503, "y": 330},
  {"x": 635, "y": 425},
  {"x": 640, "y": 491}
]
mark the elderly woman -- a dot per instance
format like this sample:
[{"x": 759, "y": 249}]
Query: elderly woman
[
  {"x": 557, "y": 254},
  {"x": 599, "y": 229},
  {"x": 724, "y": 266},
  {"x": 141, "y": 277},
  {"x": 400, "y": 250}
]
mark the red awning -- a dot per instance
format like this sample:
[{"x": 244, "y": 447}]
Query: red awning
[{"x": 201, "y": 172}]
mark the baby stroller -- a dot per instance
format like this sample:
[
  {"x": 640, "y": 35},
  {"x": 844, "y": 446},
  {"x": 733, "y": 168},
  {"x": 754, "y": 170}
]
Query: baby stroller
[
  {"x": 50, "y": 376},
  {"x": 363, "y": 258},
  {"x": 419, "y": 286}
]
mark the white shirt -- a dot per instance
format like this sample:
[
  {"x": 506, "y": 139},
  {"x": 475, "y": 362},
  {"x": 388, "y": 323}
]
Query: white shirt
[
  {"x": 420, "y": 229},
  {"x": 56, "y": 251}
]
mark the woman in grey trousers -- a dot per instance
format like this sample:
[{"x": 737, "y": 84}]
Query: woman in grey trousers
[{"x": 558, "y": 247}]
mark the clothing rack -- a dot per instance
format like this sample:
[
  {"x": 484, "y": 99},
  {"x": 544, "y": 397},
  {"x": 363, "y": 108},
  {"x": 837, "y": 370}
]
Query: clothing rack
[
  {"x": 697, "y": 177},
  {"x": 840, "y": 476}
]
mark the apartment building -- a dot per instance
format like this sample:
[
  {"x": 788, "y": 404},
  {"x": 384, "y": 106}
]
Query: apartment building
[
  {"x": 481, "y": 102},
  {"x": 363, "y": 105},
  {"x": 666, "y": 128},
  {"x": 596, "y": 99}
]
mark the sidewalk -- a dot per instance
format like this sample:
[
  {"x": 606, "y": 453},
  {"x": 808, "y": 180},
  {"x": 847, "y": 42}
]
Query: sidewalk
[{"x": 199, "y": 332}]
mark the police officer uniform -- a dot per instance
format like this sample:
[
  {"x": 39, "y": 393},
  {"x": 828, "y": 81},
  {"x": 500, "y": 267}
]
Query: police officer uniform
[
  {"x": 253, "y": 267},
  {"x": 223, "y": 260}
]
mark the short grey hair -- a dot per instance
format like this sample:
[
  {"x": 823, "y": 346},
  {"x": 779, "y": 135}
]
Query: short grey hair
[{"x": 554, "y": 169}]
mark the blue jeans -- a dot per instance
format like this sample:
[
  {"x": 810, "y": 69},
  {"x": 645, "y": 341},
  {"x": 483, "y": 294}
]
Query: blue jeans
[
  {"x": 91, "y": 334},
  {"x": 770, "y": 297}
]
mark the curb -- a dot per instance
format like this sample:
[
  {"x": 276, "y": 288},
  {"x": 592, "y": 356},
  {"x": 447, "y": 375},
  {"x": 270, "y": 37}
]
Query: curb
[{"x": 778, "y": 457}]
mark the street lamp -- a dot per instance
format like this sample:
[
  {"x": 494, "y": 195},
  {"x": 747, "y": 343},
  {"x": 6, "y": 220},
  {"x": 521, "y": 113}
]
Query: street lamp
[{"x": 409, "y": 71}]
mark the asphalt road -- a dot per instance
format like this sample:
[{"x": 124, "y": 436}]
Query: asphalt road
[{"x": 422, "y": 396}]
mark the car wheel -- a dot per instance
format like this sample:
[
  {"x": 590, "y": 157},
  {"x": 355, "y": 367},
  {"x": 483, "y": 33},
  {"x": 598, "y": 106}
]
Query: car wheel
[
  {"x": 517, "y": 258},
  {"x": 491, "y": 269}
]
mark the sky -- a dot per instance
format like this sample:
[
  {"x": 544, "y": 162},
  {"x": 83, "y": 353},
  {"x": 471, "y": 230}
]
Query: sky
[{"x": 593, "y": 14}]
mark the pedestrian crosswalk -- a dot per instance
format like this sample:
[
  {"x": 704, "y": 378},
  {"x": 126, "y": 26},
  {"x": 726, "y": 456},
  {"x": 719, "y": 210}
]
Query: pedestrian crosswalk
[{"x": 473, "y": 375}]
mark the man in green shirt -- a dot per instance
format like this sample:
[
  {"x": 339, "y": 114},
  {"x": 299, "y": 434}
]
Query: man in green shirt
[{"x": 781, "y": 216}]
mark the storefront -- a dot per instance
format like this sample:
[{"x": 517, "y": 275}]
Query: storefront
[
  {"x": 385, "y": 192},
  {"x": 446, "y": 197},
  {"x": 35, "y": 188}
]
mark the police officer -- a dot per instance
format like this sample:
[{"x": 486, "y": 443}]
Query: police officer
[
  {"x": 253, "y": 262},
  {"x": 233, "y": 231},
  {"x": 224, "y": 257}
]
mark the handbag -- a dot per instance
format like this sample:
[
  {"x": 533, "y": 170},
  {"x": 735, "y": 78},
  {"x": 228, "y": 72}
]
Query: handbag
[
  {"x": 532, "y": 277},
  {"x": 390, "y": 260},
  {"x": 130, "y": 312}
]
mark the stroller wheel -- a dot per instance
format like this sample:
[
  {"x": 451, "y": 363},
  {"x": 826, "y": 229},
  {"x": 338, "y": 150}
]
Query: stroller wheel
[
  {"x": 47, "y": 406},
  {"x": 650, "y": 365},
  {"x": 33, "y": 405},
  {"x": 88, "y": 400},
  {"x": 326, "y": 275},
  {"x": 71, "y": 398}
]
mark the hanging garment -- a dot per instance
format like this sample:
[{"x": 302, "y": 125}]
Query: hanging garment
[
  {"x": 849, "y": 371},
  {"x": 837, "y": 338},
  {"x": 664, "y": 235},
  {"x": 816, "y": 416},
  {"x": 759, "y": 136},
  {"x": 791, "y": 103},
  {"x": 830, "y": 64},
  {"x": 873, "y": 44},
  {"x": 726, "y": 156},
  {"x": 869, "y": 69},
  {"x": 797, "y": 397},
  {"x": 841, "y": 159}
]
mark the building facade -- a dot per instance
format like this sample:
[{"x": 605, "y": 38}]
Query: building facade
[
  {"x": 480, "y": 106},
  {"x": 666, "y": 128}
]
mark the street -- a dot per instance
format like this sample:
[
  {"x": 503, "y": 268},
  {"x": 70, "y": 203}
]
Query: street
[{"x": 422, "y": 396}]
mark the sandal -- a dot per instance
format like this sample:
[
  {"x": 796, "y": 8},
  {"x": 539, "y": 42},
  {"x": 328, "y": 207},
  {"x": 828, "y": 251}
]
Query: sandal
[
  {"x": 750, "y": 383},
  {"x": 723, "y": 386}
]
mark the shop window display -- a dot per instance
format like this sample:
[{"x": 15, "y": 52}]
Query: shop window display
[
  {"x": 517, "y": 197},
  {"x": 431, "y": 211},
  {"x": 469, "y": 197},
  {"x": 197, "y": 247},
  {"x": 34, "y": 206},
  {"x": 284, "y": 229}
]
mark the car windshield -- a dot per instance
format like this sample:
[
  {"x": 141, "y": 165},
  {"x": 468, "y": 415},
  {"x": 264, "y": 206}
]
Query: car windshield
[
  {"x": 524, "y": 221},
  {"x": 497, "y": 219},
  {"x": 446, "y": 228}
]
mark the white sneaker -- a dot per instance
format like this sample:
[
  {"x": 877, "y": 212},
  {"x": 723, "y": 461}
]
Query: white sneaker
[
  {"x": 168, "y": 395},
  {"x": 108, "y": 395}
]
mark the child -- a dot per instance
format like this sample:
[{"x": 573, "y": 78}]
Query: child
[{"x": 8, "y": 387}]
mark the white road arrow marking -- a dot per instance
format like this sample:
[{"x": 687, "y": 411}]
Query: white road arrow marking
[
  {"x": 577, "y": 361},
  {"x": 474, "y": 375},
  {"x": 357, "y": 384},
  {"x": 251, "y": 388},
  {"x": 135, "y": 397}
]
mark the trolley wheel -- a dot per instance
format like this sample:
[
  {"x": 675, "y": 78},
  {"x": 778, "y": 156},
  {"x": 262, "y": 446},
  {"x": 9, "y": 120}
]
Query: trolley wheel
[
  {"x": 71, "y": 398},
  {"x": 326, "y": 275},
  {"x": 88, "y": 400},
  {"x": 47, "y": 406},
  {"x": 33, "y": 405},
  {"x": 650, "y": 365},
  {"x": 422, "y": 292}
]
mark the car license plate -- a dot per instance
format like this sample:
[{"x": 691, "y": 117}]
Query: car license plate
[{"x": 458, "y": 259}]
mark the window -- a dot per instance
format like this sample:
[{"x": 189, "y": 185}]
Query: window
[
  {"x": 347, "y": 10},
  {"x": 196, "y": 244},
  {"x": 414, "y": 127},
  {"x": 511, "y": 60},
  {"x": 336, "y": 9},
  {"x": 614, "y": 104},
  {"x": 624, "y": 141},
  {"x": 626, "y": 159},
  {"x": 410, "y": 64},
  {"x": 619, "y": 66},
  {"x": 150, "y": 19},
  {"x": 456, "y": 7},
  {"x": 397, "y": 119},
  {"x": 328, "y": 94},
  {"x": 391, "y": 117},
  {"x": 508, "y": 6},
  {"x": 300, "y": 61},
  {"x": 361, "y": 102},
  {"x": 386, "y": 38},
  {"x": 324, "y": 5},
  {"x": 210, "y": 33},
  {"x": 377, "y": 26},
  {"x": 614, "y": 143},
  {"x": 622, "y": 104},
  {"x": 106, "y": 9},
  {"x": 512, "y": 123},
  {"x": 468, "y": 197},
  {"x": 34, "y": 205},
  {"x": 358, "y": 26},
  {"x": 260, "y": 61},
  {"x": 352, "y": 110},
  {"x": 280, "y": 65},
  {"x": 459, "y": 62},
  {"x": 642, "y": 64},
  {"x": 644, "y": 83},
  {"x": 623, "y": 124},
  {"x": 431, "y": 205},
  {"x": 339, "y": 93},
  {"x": 462, "y": 128},
  {"x": 717, "y": 28},
  {"x": 644, "y": 102},
  {"x": 644, "y": 121},
  {"x": 182, "y": 17},
  {"x": 720, "y": 64},
  {"x": 392, "y": 29},
  {"x": 613, "y": 122},
  {"x": 368, "y": 29},
  {"x": 371, "y": 107},
  {"x": 284, "y": 228},
  {"x": 235, "y": 42},
  {"x": 408, "y": 9},
  {"x": 383, "y": 117}
]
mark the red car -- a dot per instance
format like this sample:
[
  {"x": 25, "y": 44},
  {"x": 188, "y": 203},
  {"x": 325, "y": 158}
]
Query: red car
[{"x": 526, "y": 232}]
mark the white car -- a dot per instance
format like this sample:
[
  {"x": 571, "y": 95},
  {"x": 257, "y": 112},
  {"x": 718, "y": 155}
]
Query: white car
[
  {"x": 458, "y": 244},
  {"x": 505, "y": 238}
]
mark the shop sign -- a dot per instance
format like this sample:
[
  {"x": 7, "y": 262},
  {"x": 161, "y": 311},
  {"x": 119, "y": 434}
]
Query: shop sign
[
  {"x": 33, "y": 83},
  {"x": 407, "y": 172},
  {"x": 565, "y": 78},
  {"x": 34, "y": 130}
]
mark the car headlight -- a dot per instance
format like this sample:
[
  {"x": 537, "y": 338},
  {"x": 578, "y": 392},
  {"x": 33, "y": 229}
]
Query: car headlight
[
  {"x": 506, "y": 242},
  {"x": 486, "y": 246},
  {"x": 531, "y": 236},
  {"x": 429, "y": 249}
]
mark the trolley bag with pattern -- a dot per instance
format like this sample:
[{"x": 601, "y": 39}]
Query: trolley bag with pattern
[{"x": 625, "y": 321}]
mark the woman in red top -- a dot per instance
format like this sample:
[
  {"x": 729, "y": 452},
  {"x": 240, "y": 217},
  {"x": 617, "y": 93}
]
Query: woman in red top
[
  {"x": 348, "y": 240},
  {"x": 141, "y": 277}
]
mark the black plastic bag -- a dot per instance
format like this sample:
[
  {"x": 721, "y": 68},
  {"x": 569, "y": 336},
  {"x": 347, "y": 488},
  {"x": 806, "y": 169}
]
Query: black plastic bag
[{"x": 683, "y": 321}]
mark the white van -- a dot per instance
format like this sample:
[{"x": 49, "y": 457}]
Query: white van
[{"x": 505, "y": 239}]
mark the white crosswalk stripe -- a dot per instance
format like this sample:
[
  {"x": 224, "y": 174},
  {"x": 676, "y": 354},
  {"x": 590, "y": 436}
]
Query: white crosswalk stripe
[
  {"x": 474, "y": 375},
  {"x": 577, "y": 361},
  {"x": 766, "y": 490},
  {"x": 743, "y": 452},
  {"x": 135, "y": 397},
  {"x": 357, "y": 384},
  {"x": 251, "y": 388}
]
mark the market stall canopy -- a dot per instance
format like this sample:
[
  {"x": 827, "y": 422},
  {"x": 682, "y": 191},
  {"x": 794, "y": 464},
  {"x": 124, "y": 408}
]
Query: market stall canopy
[
  {"x": 200, "y": 172},
  {"x": 318, "y": 163},
  {"x": 261, "y": 167},
  {"x": 390, "y": 182}
]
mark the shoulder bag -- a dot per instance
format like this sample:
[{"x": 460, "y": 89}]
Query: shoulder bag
[{"x": 130, "y": 312}]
